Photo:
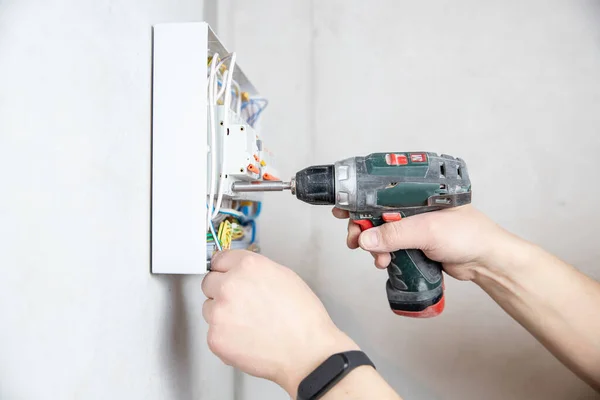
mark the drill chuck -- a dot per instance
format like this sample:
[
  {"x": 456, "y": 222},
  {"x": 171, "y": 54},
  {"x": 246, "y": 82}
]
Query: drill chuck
[{"x": 316, "y": 185}]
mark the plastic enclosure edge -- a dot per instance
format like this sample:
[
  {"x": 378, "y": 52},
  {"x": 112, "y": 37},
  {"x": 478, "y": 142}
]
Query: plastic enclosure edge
[{"x": 179, "y": 148}]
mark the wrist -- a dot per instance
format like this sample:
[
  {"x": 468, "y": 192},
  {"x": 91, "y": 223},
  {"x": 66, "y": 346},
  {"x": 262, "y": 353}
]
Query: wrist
[
  {"x": 507, "y": 257},
  {"x": 329, "y": 342}
]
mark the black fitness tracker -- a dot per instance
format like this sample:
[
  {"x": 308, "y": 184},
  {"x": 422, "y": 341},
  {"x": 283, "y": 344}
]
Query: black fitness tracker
[{"x": 330, "y": 372}]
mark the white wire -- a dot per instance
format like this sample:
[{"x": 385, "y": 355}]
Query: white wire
[
  {"x": 223, "y": 77},
  {"x": 213, "y": 137},
  {"x": 234, "y": 83},
  {"x": 216, "y": 86},
  {"x": 227, "y": 103},
  {"x": 214, "y": 235},
  {"x": 238, "y": 104},
  {"x": 220, "y": 64},
  {"x": 222, "y": 90}
]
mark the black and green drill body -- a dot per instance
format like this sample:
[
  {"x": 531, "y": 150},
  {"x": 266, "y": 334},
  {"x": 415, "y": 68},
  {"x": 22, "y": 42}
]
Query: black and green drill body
[{"x": 385, "y": 187}]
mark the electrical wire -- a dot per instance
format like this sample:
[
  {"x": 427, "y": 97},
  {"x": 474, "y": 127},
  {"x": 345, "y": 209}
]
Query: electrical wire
[
  {"x": 213, "y": 95},
  {"x": 238, "y": 93},
  {"x": 227, "y": 57},
  {"x": 229, "y": 80},
  {"x": 234, "y": 213},
  {"x": 255, "y": 107},
  {"x": 213, "y": 136},
  {"x": 236, "y": 232},
  {"x": 231, "y": 67},
  {"x": 253, "y": 238},
  {"x": 225, "y": 126},
  {"x": 245, "y": 211},
  {"x": 216, "y": 239},
  {"x": 225, "y": 234},
  {"x": 233, "y": 92},
  {"x": 258, "y": 209},
  {"x": 222, "y": 89},
  {"x": 254, "y": 118}
]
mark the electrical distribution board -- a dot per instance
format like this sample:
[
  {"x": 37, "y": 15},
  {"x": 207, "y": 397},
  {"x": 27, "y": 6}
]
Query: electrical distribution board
[{"x": 205, "y": 137}]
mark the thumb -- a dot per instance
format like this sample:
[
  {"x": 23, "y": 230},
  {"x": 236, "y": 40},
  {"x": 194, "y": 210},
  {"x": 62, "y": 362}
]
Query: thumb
[{"x": 408, "y": 233}]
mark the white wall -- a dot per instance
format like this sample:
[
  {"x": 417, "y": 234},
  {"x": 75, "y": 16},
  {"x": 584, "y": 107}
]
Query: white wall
[
  {"x": 512, "y": 87},
  {"x": 81, "y": 317}
]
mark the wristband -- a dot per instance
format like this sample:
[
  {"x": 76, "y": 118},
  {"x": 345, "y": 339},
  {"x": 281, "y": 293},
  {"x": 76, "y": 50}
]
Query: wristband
[{"x": 330, "y": 372}]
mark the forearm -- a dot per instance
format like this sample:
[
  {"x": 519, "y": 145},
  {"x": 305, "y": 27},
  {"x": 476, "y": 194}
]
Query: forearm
[{"x": 559, "y": 305}]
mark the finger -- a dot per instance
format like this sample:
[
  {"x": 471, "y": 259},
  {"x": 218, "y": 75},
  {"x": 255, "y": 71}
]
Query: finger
[
  {"x": 382, "y": 260},
  {"x": 208, "y": 309},
  {"x": 353, "y": 234},
  {"x": 339, "y": 213},
  {"x": 212, "y": 283},
  {"x": 223, "y": 261},
  {"x": 409, "y": 233}
]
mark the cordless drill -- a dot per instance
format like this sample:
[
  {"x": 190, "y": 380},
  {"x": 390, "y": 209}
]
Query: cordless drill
[{"x": 386, "y": 187}]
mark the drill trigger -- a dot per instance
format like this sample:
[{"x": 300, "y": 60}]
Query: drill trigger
[{"x": 364, "y": 224}]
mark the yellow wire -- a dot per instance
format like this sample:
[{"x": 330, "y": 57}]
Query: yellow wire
[{"x": 225, "y": 234}]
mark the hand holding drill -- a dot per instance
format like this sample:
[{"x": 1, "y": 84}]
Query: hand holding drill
[{"x": 382, "y": 188}]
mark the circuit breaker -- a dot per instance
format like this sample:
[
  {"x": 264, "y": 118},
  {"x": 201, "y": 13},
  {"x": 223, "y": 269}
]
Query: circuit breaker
[{"x": 205, "y": 137}]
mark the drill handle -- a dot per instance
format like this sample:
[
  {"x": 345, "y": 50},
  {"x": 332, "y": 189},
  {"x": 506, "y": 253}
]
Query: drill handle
[
  {"x": 415, "y": 286},
  {"x": 415, "y": 283}
]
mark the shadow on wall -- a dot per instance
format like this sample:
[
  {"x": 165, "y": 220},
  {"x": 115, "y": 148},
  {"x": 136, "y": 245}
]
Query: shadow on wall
[{"x": 176, "y": 351}]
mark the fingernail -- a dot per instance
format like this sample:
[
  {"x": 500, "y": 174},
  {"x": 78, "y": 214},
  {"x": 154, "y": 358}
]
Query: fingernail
[{"x": 369, "y": 239}]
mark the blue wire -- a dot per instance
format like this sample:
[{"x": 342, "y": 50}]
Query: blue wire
[
  {"x": 254, "y": 117},
  {"x": 249, "y": 220},
  {"x": 243, "y": 210},
  {"x": 253, "y": 231},
  {"x": 246, "y": 211},
  {"x": 258, "y": 209},
  {"x": 261, "y": 103},
  {"x": 253, "y": 101}
]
